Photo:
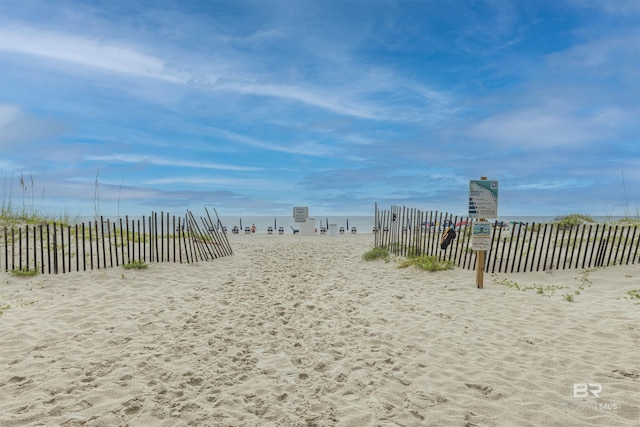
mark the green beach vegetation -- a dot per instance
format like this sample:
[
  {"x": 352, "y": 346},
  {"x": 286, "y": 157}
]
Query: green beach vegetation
[
  {"x": 630, "y": 219},
  {"x": 429, "y": 263},
  {"x": 550, "y": 290},
  {"x": 26, "y": 211},
  {"x": 573, "y": 220},
  {"x": 135, "y": 265},
  {"x": 4, "y": 307},
  {"x": 376, "y": 253},
  {"x": 25, "y": 272}
]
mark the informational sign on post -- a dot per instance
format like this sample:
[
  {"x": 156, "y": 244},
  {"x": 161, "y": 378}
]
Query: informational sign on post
[
  {"x": 300, "y": 213},
  {"x": 483, "y": 204},
  {"x": 481, "y": 236},
  {"x": 483, "y": 199}
]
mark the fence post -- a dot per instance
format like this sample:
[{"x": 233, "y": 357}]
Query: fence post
[
  {"x": 26, "y": 240},
  {"x": 6, "y": 250},
  {"x": 144, "y": 234},
  {"x": 637, "y": 246},
  {"x": 584, "y": 226},
  {"x": 173, "y": 229},
  {"x": 168, "y": 238},
  {"x": 602, "y": 248},
  {"x": 55, "y": 248},
  {"x": 615, "y": 234},
  {"x": 131, "y": 242},
  {"x": 114, "y": 245},
  {"x": 69, "y": 251},
  {"x": 535, "y": 230},
  {"x": 496, "y": 251},
  {"x": 595, "y": 241},
  {"x": 179, "y": 240},
  {"x": 633, "y": 237},
  {"x": 122, "y": 241},
  {"x": 139, "y": 237},
  {"x": 62, "y": 247},
  {"x": 155, "y": 234},
  {"x": 566, "y": 252},
  {"x": 90, "y": 245},
  {"x": 41, "y": 250},
  {"x": 129, "y": 258},
  {"x": 606, "y": 247},
  {"x": 224, "y": 234},
  {"x": 84, "y": 252}
]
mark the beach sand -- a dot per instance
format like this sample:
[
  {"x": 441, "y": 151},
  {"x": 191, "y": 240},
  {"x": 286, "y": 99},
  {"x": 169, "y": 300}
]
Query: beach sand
[{"x": 300, "y": 331}]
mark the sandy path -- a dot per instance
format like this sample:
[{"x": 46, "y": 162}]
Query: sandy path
[{"x": 299, "y": 330}]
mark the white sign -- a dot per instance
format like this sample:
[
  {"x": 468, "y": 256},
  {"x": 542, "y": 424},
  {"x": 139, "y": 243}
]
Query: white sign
[
  {"x": 481, "y": 236},
  {"x": 483, "y": 199},
  {"x": 300, "y": 213}
]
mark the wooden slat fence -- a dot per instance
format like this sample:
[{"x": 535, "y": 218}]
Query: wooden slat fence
[
  {"x": 516, "y": 248},
  {"x": 60, "y": 248}
]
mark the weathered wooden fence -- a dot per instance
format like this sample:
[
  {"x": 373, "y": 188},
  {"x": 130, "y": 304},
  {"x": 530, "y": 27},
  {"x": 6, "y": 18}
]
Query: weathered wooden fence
[
  {"x": 514, "y": 248},
  {"x": 61, "y": 248}
]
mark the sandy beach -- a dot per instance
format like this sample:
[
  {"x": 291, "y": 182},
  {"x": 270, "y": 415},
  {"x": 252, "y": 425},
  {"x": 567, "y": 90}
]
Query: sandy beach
[{"x": 300, "y": 331}]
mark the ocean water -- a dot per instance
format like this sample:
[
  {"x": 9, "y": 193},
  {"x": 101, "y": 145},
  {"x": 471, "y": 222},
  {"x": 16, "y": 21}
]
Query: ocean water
[{"x": 363, "y": 223}]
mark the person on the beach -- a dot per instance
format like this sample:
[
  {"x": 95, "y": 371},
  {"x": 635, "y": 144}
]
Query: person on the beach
[{"x": 253, "y": 229}]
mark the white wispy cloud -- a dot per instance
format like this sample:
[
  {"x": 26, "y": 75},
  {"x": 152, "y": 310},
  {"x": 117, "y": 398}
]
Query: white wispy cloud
[
  {"x": 304, "y": 148},
  {"x": 161, "y": 161},
  {"x": 17, "y": 127},
  {"x": 80, "y": 50},
  {"x": 537, "y": 128},
  {"x": 551, "y": 185},
  {"x": 221, "y": 182},
  {"x": 125, "y": 58},
  {"x": 602, "y": 55},
  {"x": 616, "y": 8},
  {"x": 337, "y": 105}
]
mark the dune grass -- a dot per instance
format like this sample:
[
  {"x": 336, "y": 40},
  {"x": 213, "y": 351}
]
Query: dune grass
[
  {"x": 630, "y": 219},
  {"x": 4, "y": 307},
  {"x": 429, "y": 263},
  {"x": 135, "y": 265},
  {"x": 27, "y": 211},
  {"x": 25, "y": 272},
  {"x": 376, "y": 253},
  {"x": 574, "y": 219}
]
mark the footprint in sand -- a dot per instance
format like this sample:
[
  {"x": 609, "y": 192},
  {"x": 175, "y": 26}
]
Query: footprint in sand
[
  {"x": 132, "y": 406},
  {"x": 486, "y": 390}
]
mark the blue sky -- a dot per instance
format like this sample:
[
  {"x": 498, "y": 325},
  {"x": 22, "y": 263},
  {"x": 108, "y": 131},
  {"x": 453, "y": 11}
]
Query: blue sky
[{"x": 253, "y": 107}]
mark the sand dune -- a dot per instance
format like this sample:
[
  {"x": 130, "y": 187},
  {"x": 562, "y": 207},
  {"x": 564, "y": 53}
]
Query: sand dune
[{"x": 300, "y": 331}]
